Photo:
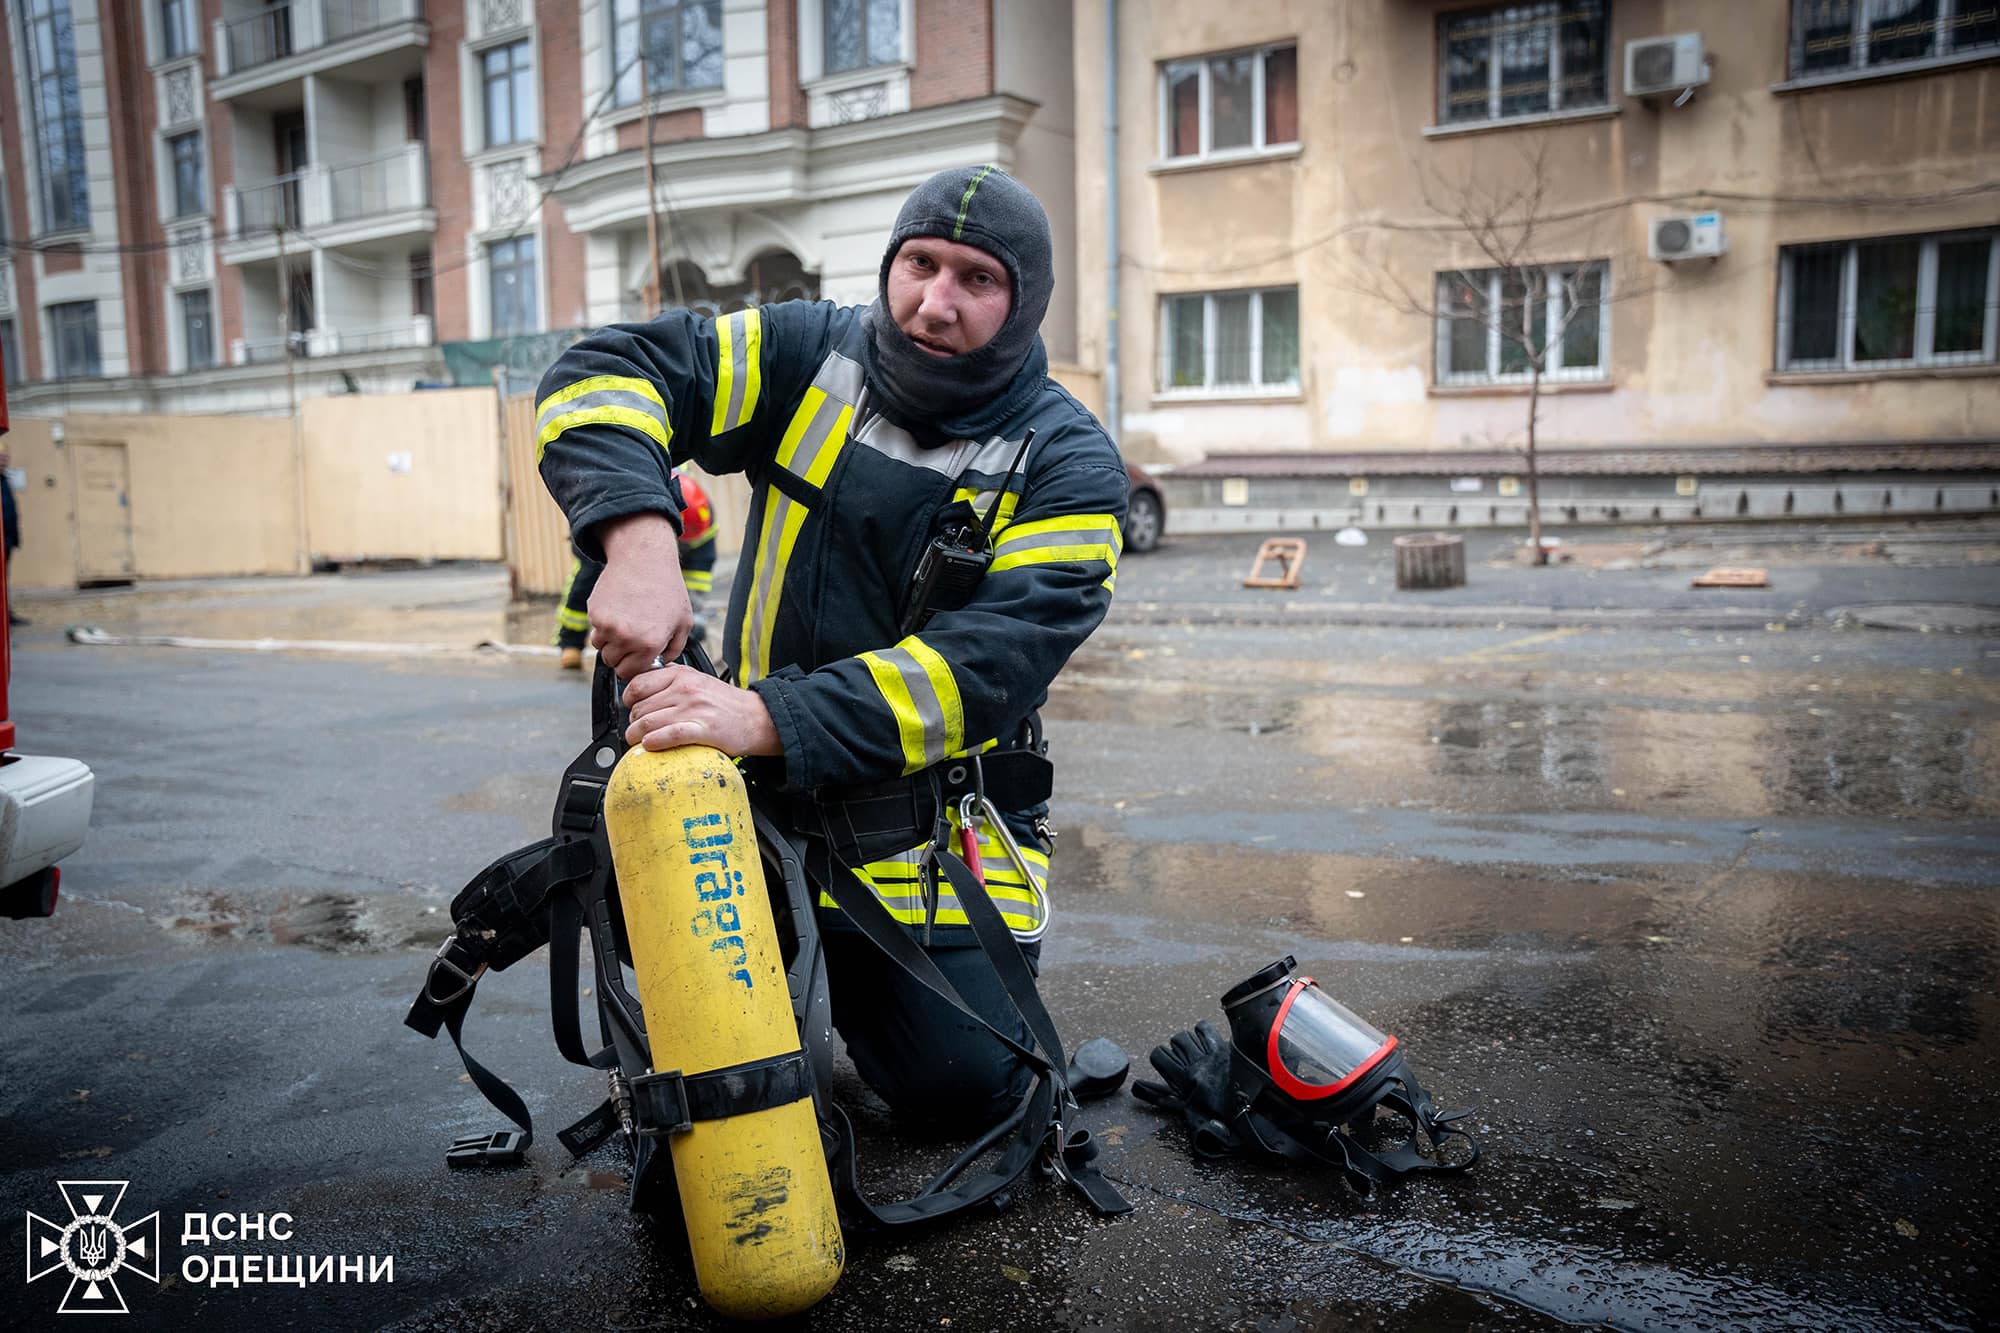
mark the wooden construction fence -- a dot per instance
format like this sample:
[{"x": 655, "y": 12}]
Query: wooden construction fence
[{"x": 538, "y": 552}]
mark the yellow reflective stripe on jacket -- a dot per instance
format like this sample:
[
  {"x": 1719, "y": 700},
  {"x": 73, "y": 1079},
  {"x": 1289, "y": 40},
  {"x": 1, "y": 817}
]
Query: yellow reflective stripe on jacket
[
  {"x": 740, "y": 373},
  {"x": 1022, "y": 901},
  {"x": 1069, "y": 539},
  {"x": 982, "y": 501},
  {"x": 810, "y": 448},
  {"x": 698, "y": 580},
  {"x": 918, "y": 686},
  {"x": 612, "y": 400}
]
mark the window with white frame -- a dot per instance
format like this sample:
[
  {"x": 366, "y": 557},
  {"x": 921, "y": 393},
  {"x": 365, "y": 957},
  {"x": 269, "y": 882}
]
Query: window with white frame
[
  {"x": 1219, "y": 106},
  {"x": 177, "y": 20},
  {"x": 190, "y": 189},
  {"x": 1523, "y": 60},
  {"x": 1840, "y": 36},
  {"x": 675, "y": 44},
  {"x": 1890, "y": 302},
  {"x": 73, "y": 336},
  {"x": 510, "y": 272},
  {"x": 860, "y": 33},
  {"x": 56, "y": 105},
  {"x": 197, "y": 329},
  {"x": 10, "y": 354},
  {"x": 1230, "y": 341},
  {"x": 507, "y": 76},
  {"x": 1496, "y": 325}
]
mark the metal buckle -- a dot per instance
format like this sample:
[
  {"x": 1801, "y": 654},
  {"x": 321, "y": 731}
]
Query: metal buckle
[
  {"x": 504, "y": 1147},
  {"x": 466, "y": 981},
  {"x": 660, "y": 1105}
]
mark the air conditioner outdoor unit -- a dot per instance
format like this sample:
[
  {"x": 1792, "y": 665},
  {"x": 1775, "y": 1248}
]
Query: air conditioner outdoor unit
[
  {"x": 1668, "y": 64},
  {"x": 1695, "y": 236}
]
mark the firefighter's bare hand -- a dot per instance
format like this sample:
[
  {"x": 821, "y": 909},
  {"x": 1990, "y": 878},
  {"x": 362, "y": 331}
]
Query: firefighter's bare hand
[
  {"x": 639, "y": 609},
  {"x": 678, "y": 705}
]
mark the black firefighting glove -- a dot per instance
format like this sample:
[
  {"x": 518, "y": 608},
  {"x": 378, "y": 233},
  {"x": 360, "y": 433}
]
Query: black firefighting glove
[{"x": 1196, "y": 1081}]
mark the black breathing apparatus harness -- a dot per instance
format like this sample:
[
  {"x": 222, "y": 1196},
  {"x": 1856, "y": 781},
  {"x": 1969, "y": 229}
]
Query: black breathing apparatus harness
[{"x": 553, "y": 890}]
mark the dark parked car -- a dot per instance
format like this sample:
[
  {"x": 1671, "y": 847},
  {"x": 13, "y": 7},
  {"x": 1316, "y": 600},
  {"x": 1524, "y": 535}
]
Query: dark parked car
[{"x": 1145, "y": 512}]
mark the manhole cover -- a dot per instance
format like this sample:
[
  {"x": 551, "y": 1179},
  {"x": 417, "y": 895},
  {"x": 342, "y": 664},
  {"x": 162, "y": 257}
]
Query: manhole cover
[{"x": 1928, "y": 617}]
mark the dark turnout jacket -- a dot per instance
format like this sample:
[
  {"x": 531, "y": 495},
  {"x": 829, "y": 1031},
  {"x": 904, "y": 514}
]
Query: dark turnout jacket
[{"x": 843, "y": 503}]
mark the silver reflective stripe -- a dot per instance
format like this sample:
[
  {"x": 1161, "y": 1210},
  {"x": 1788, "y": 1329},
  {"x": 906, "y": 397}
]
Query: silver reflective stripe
[
  {"x": 1094, "y": 534},
  {"x": 815, "y": 437},
  {"x": 885, "y": 437},
  {"x": 739, "y": 368},
  {"x": 840, "y": 378},
  {"x": 994, "y": 457},
  {"x": 767, "y": 567},
  {"x": 583, "y": 402},
  {"x": 923, "y": 697}
]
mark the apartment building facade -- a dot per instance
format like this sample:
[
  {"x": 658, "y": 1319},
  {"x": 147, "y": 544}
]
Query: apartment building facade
[
  {"x": 1340, "y": 227},
  {"x": 226, "y": 205}
]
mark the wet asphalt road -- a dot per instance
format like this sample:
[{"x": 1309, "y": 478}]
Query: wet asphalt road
[{"x": 1700, "y": 919}]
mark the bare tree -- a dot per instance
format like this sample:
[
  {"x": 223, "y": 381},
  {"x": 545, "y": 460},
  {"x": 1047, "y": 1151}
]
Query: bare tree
[{"x": 1498, "y": 299}]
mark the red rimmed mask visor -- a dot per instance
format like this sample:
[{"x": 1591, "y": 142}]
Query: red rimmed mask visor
[{"x": 1317, "y": 1046}]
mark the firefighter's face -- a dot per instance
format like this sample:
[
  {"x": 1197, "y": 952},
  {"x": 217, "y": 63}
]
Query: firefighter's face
[{"x": 949, "y": 298}]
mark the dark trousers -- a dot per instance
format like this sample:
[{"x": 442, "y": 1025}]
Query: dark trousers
[
  {"x": 924, "y": 1058},
  {"x": 572, "y": 620}
]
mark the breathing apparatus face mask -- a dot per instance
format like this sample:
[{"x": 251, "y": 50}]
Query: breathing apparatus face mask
[{"x": 1300, "y": 1079}]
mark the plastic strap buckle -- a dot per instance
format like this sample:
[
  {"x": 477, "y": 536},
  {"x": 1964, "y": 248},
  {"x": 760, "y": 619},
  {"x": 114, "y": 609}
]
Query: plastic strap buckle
[{"x": 504, "y": 1147}]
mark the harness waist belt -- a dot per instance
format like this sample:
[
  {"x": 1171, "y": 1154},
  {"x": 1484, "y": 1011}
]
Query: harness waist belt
[{"x": 877, "y": 820}]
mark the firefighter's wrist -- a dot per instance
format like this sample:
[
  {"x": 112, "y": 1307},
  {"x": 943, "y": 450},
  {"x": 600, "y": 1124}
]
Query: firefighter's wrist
[
  {"x": 648, "y": 536},
  {"x": 761, "y": 733}
]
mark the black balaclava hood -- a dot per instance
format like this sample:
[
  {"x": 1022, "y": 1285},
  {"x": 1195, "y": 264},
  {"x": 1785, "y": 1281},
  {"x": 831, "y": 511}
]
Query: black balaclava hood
[{"x": 966, "y": 397}]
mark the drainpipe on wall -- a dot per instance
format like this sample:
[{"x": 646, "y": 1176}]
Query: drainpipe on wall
[{"x": 1113, "y": 410}]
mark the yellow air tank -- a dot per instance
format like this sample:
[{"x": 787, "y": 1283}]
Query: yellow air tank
[{"x": 755, "y": 1192}]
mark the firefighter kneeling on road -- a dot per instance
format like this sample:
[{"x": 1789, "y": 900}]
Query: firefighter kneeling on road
[
  {"x": 697, "y": 554},
  {"x": 934, "y": 529}
]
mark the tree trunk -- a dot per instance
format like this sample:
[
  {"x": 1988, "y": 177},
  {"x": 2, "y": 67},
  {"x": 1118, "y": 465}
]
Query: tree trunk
[{"x": 1534, "y": 473}]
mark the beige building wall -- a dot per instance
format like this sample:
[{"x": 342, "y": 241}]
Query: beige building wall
[
  {"x": 404, "y": 476},
  {"x": 1349, "y": 215}
]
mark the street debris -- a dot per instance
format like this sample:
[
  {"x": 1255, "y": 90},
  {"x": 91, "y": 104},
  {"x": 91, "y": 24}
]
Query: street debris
[{"x": 1725, "y": 576}]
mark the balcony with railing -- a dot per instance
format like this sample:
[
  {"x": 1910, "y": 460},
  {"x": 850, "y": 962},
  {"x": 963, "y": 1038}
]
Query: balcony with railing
[
  {"x": 400, "y": 335},
  {"x": 367, "y": 199},
  {"x": 280, "y": 42}
]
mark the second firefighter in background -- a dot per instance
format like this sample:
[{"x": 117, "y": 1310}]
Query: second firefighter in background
[{"x": 697, "y": 547}]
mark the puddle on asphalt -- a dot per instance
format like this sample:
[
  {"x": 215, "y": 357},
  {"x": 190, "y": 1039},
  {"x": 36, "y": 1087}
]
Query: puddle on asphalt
[
  {"x": 1811, "y": 754},
  {"x": 324, "y": 922},
  {"x": 1626, "y": 1041}
]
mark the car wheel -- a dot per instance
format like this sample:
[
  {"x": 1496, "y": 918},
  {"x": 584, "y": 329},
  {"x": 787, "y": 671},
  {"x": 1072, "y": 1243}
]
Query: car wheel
[{"x": 1142, "y": 522}]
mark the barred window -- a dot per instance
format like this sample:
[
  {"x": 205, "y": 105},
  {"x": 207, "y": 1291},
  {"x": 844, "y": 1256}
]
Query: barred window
[
  {"x": 1230, "y": 340},
  {"x": 1494, "y": 324},
  {"x": 1840, "y": 36},
  {"x": 1523, "y": 60},
  {"x": 1890, "y": 301}
]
